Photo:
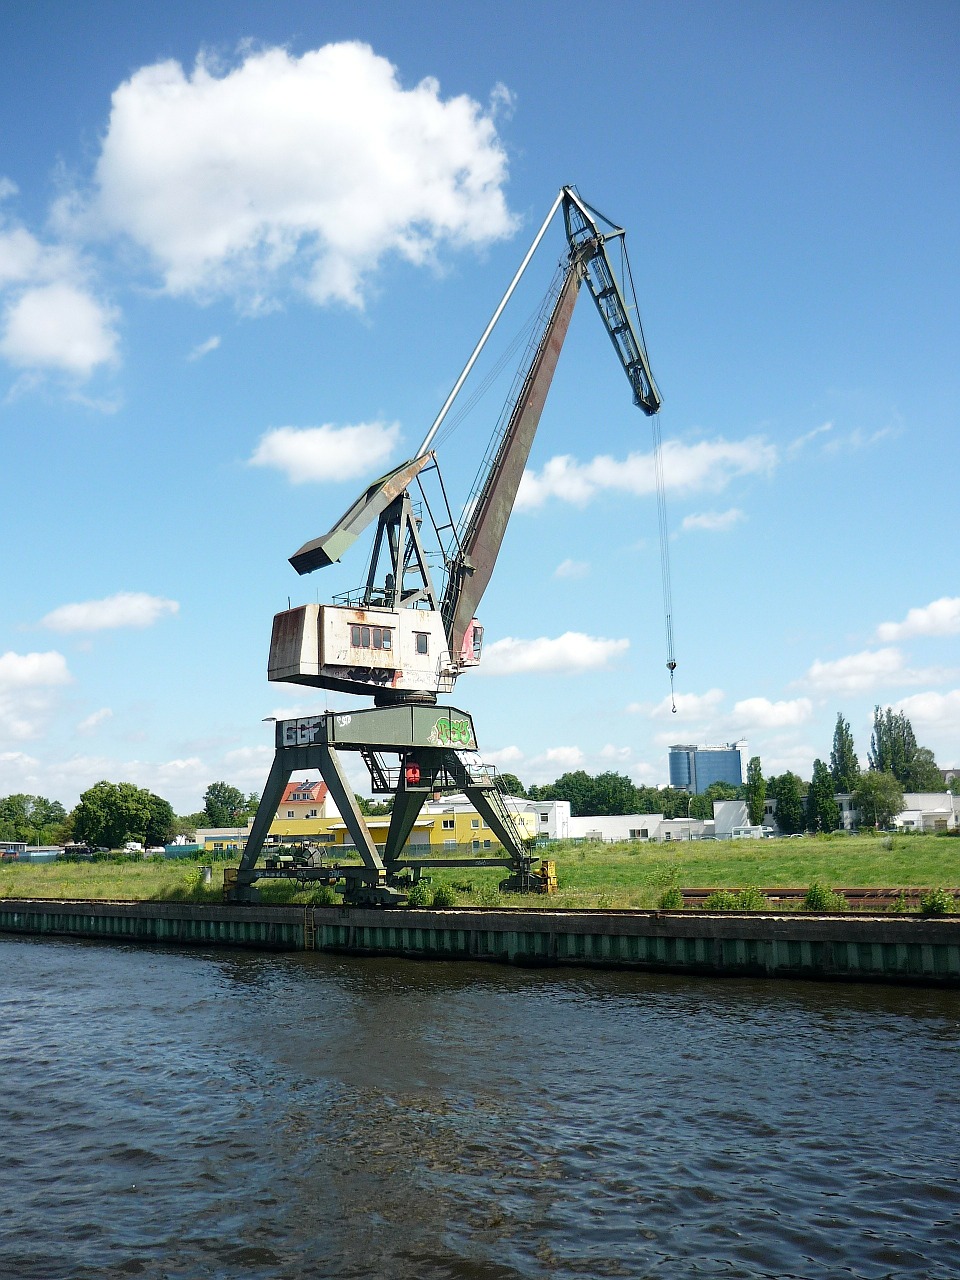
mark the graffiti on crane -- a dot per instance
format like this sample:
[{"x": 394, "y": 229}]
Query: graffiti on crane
[{"x": 452, "y": 733}]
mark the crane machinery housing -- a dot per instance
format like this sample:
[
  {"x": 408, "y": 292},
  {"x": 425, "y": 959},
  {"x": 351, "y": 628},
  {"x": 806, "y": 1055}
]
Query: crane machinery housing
[{"x": 403, "y": 640}]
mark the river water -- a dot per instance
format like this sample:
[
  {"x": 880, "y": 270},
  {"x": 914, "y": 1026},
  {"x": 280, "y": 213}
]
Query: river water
[{"x": 226, "y": 1114}]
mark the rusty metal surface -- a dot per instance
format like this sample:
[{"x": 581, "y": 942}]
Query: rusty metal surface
[{"x": 481, "y": 543}]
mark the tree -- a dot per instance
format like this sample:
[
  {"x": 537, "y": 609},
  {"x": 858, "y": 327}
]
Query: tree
[
  {"x": 844, "y": 765},
  {"x": 373, "y": 808},
  {"x": 701, "y": 806},
  {"x": 787, "y": 790},
  {"x": 755, "y": 792},
  {"x": 511, "y": 785},
  {"x": 893, "y": 744},
  {"x": 924, "y": 773},
  {"x": 111, "y": 813},
  {"x": 224, "y": 805},
  {"x": 161, "y": 821},
  {"x": 879, "y": 797},
  {"x": 15, "y": 817},
  {"x": 823, "y": 813},
  {"x": 30, "y": 818}
]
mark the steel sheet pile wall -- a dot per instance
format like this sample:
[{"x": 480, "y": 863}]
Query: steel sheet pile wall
[{"x": 883, "y": 948}]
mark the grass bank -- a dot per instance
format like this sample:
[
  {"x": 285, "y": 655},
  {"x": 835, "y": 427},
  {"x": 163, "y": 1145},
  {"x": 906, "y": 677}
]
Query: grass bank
[{"x": 620, "y": 875}]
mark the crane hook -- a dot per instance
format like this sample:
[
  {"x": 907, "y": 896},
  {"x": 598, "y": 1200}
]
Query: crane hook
[{"x": 671, "y": 667}]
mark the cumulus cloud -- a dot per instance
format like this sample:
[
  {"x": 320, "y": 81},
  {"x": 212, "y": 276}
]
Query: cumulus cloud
[
  {"x": 204, "y": 348},
  {"x": 503, "y": 756},
  {"x": 327, "y": 453},
  {"x": 690, "y": 706},
  {"x": 571, "y": 652},
  {"x": 761, "y": 713},
  {"x": 126, "y": 609},
  {"x": 939, "y": 618},
  {"x": 306, "y": 170},
  {"x": 571, "y": 569},
  {"x": 932, "y": 711},
  {"x": 709, "y": 465},
  {"x": 59, "y": 326},
  {"x": 51, "y": 319},
  {"x": 610, "y": 752},
  {"x": 713, "y": 521},
  {"x": 565, "y": 757},
  {"x": 870, "y": 669},
  {"x": 28, "y": 684}
]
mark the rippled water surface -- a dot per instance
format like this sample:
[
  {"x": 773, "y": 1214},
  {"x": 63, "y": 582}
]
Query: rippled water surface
[{"x": 200, "y": 1114}]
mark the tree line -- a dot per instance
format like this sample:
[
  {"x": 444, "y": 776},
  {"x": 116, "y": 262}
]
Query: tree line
[
  {"x": 111, "y": 814},
  {"x": 896, "y": 763}
]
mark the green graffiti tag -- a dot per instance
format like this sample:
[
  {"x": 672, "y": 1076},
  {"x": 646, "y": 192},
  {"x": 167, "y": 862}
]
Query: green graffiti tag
[{"x": 452, "y": 733}]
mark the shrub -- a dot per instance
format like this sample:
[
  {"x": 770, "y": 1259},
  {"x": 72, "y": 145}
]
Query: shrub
[
  {"x": 936, "y": 902},
  {"x": 420, "y": 895},
  {"x": 751, "y": 899},
  {"x": 821, "y": 898},
  {"x": 445, "y": 896},
  {"x": 722, "y": 900},
  {"x": 323, "y": 896},
  {"x": 671, "y": 899}
]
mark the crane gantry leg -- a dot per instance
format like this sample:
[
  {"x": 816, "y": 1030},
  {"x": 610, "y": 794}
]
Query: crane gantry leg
[{"x": 423, "y": 739}]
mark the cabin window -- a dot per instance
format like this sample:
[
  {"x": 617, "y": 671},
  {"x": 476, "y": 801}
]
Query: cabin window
[
  {"x": 422, "y": 639},
  {"x": 371, "y": 637}
]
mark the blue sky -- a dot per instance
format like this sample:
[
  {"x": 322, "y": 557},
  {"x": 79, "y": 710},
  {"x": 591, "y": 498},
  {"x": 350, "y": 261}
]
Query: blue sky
[{"x": 245, "y": 250}]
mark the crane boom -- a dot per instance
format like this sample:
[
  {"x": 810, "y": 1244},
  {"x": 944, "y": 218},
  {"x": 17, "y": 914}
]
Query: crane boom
[{"x": 479, "y": 545}]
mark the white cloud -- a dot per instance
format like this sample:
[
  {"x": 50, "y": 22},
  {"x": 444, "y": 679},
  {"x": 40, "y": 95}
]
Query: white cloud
[
  {"x": 7, "y": 188},
  {"x": 93, "y": 720},
  {"x": 204, "y": 348},
  {"x": 713, "y": 521},
  {"x": 126, "y": 609},
  {"x": 709, "y": 465},
  {"x": 51, "y": 319},
  {"x": 59, "y": 326},
  {"x": 570, "y": 652},
  {"x": 28, "y": 682},
  {"x": 503, "y": 756},
  {"x": 565, "y": 757},
  {"x": 690, "y": 706},
  {"x": 859, "y": 439},
  {"x": 610, "y": 752},
  {"x": 309, "y": 170},
  {"x": 795, "y": 446},
  {"x": 761, "y": 713},
  {"x": 932, "y": 712},
  {"x": 327, "y": 453},
  {"x": 870, "y": 669},
  {"x": 571, "y": 569},
  {"x": 940, "y": 618}
]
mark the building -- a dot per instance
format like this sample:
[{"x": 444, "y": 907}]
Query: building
[
  {"x": 936, "y": 811},
  {"x": 694, "y": 768},
  {"x": 305, "y": 799}
]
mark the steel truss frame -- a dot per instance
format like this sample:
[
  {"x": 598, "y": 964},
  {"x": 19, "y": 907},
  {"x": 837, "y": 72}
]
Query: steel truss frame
[{"x": 439, "y": 741}]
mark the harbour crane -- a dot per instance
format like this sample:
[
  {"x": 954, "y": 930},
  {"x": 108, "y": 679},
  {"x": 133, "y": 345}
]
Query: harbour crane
[{"x": 404, "y": 641}]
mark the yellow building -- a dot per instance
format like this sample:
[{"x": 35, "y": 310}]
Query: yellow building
[{"x": 452, "y": 827}]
